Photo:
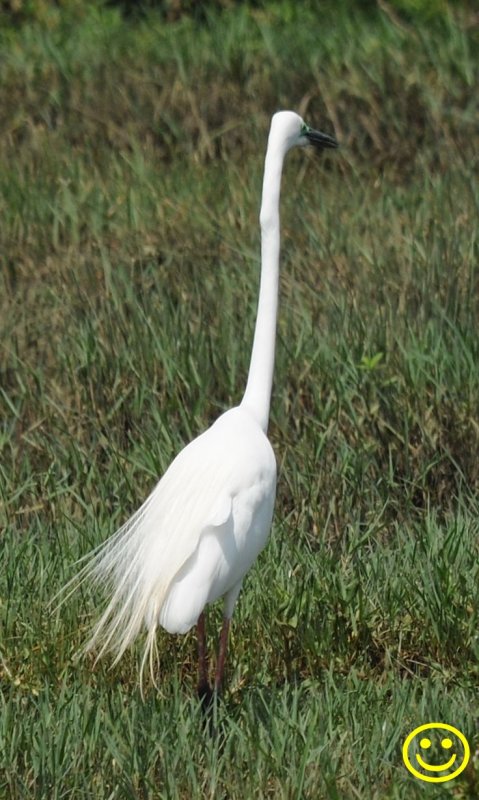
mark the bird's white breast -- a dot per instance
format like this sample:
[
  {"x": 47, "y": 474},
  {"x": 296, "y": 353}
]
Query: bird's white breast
[{"x": 240, "y": 460}]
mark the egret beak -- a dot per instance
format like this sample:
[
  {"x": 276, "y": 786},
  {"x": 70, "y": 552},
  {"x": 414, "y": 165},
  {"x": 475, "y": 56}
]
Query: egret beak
[{"x": 319, "y": 139}]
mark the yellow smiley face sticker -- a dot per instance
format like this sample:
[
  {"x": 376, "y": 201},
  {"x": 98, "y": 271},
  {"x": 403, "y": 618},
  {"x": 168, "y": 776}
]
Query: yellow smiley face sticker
[{"x": 441, "y": 749}]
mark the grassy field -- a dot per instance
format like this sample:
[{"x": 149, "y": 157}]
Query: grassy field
[{"x": 131, "y": 153}]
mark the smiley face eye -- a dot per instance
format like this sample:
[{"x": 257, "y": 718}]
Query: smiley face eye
[
  {"x": 447, "y": 743},
  {"x": 425, "y": 743}
]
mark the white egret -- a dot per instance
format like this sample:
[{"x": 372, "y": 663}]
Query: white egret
[{"x": 205, "y": 522}]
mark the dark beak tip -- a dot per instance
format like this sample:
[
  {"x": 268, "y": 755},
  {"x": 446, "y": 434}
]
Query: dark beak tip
[{"x": 322, "y": 141}]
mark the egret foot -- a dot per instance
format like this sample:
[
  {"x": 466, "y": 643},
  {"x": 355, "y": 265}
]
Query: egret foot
[{"x": 205, "y": 696}]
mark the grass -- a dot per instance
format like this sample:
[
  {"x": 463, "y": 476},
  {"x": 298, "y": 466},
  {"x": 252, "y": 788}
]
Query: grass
[{"x": 132, "y": 156}]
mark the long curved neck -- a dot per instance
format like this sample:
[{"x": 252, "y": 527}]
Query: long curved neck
[{"x": 257, "y": 396}]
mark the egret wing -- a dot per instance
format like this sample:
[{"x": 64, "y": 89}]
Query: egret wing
[{"x": 138, "y": 563}]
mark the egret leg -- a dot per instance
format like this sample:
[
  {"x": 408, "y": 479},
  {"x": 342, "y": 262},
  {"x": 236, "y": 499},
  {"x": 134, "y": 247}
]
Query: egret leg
[
  {"x": 220, "y": 664},
  {"x": 204, "y": 689}
]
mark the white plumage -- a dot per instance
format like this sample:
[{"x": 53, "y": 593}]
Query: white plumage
[
  {"x": 185, "y": 549},
  {"x": 208, "y": 518}
]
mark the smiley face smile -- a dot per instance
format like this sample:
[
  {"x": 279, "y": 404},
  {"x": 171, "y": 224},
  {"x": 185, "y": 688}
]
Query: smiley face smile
[{"x": 433, "y": 767}]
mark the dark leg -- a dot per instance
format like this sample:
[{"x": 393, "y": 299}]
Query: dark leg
[
  {"x": 220, "y": 664},
  {"x": 204, "y": 689}
]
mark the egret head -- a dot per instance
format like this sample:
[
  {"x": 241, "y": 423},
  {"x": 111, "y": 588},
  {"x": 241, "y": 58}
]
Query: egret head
[{"x": 290, "y": 130}]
